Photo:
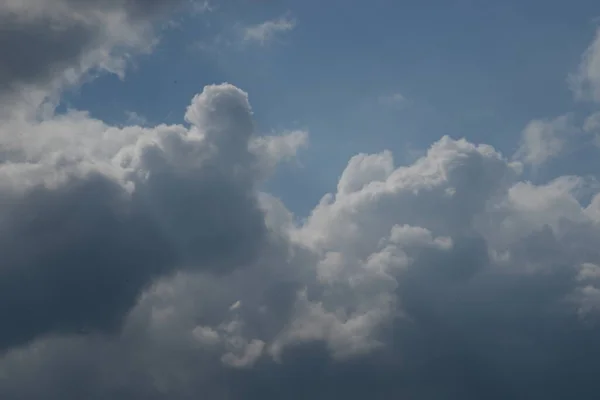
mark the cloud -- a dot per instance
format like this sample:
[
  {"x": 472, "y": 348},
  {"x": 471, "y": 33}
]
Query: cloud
[
  {"x": 54, "y": 44},
  {"x": 592, "y": 126},
  {"x": 585, "y": 82},
  {"x": 275, "y": 149},
  {"x": 130, "y": 192},
  {"x": 134, "y": 118},
  {"x": 202, "y": 6},
  {"x": 268, "y": 31},
  {"x": 238, "y": 37},
  {"x": 146, "y": 262},
  {"x": 160, "y": 271},
  {"x": 592, "y": 123},
  {"x": 545, "y": 139},
  {"x": 393, "y": 100}
]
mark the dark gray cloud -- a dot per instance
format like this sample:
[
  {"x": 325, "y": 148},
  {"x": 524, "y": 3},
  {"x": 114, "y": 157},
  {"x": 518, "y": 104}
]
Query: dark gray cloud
[
  {"x": 488, "y": 336},
  {"x": 50, "y": 44},
  {"x": 180, "y": 295},
  {"x": 77, "y": 255},
  {"x": 38, "y": 52}
]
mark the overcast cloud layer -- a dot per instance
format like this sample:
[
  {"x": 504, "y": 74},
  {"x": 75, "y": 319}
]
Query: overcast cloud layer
[{"x": 147, "y": 263}]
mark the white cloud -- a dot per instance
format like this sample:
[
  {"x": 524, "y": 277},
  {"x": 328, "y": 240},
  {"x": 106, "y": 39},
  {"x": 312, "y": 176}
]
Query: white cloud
[
  {"x": 272, "y": 150},
  {"x": 393, "y": 100},
  {"x": 134, "y": 118},
  {"x": 363, "y": 169},
  {"x": 585, "y": 82},
  {"x": 268, "y": 31},
  {"x": 543, "y": 140}
]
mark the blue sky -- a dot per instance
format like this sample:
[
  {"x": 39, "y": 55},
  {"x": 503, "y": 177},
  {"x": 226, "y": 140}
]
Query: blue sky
[{"x": 365, "y": 76}]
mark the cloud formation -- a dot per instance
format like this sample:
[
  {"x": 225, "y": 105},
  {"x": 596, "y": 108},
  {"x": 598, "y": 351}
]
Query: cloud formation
[
  {"x": 151, "y": 258},
  {"x": 147, "y": 262},
  {"x": 77, "y": 215},
  {"x": 53, "y": 44}
]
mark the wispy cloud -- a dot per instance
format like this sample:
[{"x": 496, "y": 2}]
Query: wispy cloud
[
  {"x": 393, "y": 100},
  {"x": 543, "y": 140},
  {"x": 585, "y": 82},
  {"x": 267, "y": 31},
  {"x": 202, "y": 6},
  {"x": 134, "y": 118}
]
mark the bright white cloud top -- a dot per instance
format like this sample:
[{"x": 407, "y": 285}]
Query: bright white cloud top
[{"x": 147, "y": 262}]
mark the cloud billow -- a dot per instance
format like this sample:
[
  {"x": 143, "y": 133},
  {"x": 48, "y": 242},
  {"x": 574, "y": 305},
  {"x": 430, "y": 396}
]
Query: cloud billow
[
  {"x": 78, "y": 254},
  {"x": 146, "y": 262},
  {"x": 152, "y": 251}
]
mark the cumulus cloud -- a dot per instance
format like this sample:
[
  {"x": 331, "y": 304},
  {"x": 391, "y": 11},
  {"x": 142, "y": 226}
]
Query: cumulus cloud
[
  {"x": 146, "y": 262},
  {"x": 130, "y": 191}
]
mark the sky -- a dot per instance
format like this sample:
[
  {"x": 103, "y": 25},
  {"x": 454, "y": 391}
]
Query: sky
[
  {"x": 265, "y": 199},
  {"x": 365, "y": 76}
]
